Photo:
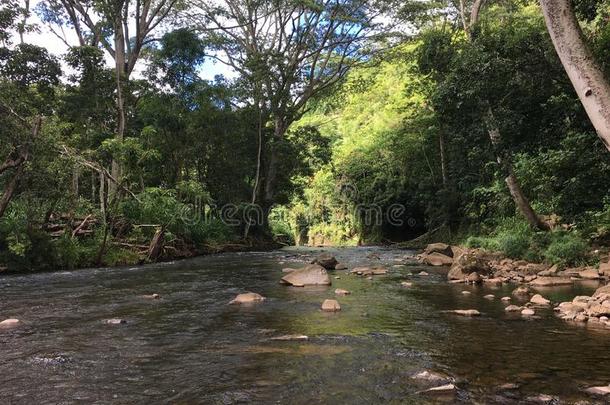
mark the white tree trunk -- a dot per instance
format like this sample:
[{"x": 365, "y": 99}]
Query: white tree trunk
[{"x": 584, "y": 73}]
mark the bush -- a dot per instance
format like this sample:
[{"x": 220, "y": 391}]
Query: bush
[{"x": 566, "y": 248}]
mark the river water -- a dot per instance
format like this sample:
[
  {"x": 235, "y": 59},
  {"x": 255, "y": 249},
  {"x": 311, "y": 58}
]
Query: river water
[{"x": 190, "y": 347}]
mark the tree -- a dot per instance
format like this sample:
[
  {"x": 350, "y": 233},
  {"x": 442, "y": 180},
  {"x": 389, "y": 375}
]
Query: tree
[
  {"x": 94, "y": 20},
  {"x": 287, "y": 52},
  {"x": 584, "y": 72}
]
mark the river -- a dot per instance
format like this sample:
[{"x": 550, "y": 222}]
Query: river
[{"x": 190, "y": 347}]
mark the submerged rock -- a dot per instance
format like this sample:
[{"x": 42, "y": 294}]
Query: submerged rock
[
  {"x": 466, "y": 312},
  {"x": 247, "y": 298},
  {"x": 290, "y": 337},
  {"x": 10, "y": 323},
  {"x": 326, "y": 260},
  {"x": 340, "y": 291},
  {"x": 312, "y": 274},
  {"x": 331, "y": 306},
  {"x": 522, "y": 291},
  {"x": 431, "y": 376},
  {"x": 116, "y": 321},
  {"x": 406, "y": 284}
]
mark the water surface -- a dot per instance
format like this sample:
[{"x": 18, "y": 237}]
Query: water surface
[{"x": 191, "y": 347}]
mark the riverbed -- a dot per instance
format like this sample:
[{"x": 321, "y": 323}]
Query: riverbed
[{"x": 189, "y": 346}]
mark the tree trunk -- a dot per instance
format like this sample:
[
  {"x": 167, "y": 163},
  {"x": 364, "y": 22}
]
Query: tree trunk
[
  {"x": 441, "y": 142},
  {"x": 121, "y": 77},
  {"x": 582, "y": 69},
  {"x": 271, "y": 175},
  {"x": 9, "y": 190},
  {"x": 514, "y": 188}
]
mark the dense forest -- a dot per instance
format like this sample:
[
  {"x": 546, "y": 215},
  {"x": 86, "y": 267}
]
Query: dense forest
[{"x": 337, "y": 122}]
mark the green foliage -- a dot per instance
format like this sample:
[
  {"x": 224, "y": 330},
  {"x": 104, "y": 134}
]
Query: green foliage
[{"x": 566, "y": 248}]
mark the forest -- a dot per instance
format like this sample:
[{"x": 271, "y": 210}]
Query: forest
[{"x": 330, "y": 122}]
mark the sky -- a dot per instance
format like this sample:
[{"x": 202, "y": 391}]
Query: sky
[{"x": 54, "y": 45}]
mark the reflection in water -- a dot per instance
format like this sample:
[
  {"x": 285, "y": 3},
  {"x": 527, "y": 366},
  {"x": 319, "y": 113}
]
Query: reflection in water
[{"x": 189, "y": 346}]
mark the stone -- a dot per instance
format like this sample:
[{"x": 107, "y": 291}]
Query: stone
[
  {"x": 467, "y": 262},
  {"x": 466, "y": 312},
  {"x": 423, "y": 273},
  {"x": 597, "y": 310},
  {"x": 431, "y": 376},
  {"x": 441, "y": 390},
  {"x": 437, "y": 259},
  {"x": 152, "y": 296},
  {"x": 551, "y": 281},
  {"x": 600, "y": 391},
  {"x": 340, "y": 291},
  {"x": 528, "y": 312},
  {"x": 489, "y": 297},
  {"x": 542, "y": 399},
  {"x": 602, "y": 290},
  {"x": 466, "y": 292},
  {"x": 539, "y": 300},
  {"x": 331, "y": 306},
  {"x": 312, "y": 274},
  {"x": 512, "y": 308},
  {"x": 340, "y": 266},
  {"x": 441, "y": 248},
  {"x": 522, "y": 291},
  {"x": 379, "y": 271},
  {"x": 362, "y": 271},
  {"x": 589, "y": 274},
  {"x": 505, "y": 299},
  {"x": 288, "y": 270},
  {"x": 474, "y": 278},
  {"x": 581, "y": 318},
  {"x": 495, "y": 281},
  {"x": 406, "y": 284},
  {"x": 10, "y": 323},
  {"x": 116, "y": 321},
  {"x": 326, "y": 260},
  {"x": 290, "y": 337},
  {"x": 604, "y": 269},
  {"x": 247, "y": 298}
]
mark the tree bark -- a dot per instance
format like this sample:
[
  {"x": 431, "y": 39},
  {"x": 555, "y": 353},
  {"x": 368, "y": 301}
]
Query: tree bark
[
  {"x": 514, "y": 187},
  {"x": 584, "y": 72},
  {"x": 121, "y": 77}
]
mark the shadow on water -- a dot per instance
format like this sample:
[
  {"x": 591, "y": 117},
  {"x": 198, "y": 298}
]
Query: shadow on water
[{"x": 191, "y": 347}]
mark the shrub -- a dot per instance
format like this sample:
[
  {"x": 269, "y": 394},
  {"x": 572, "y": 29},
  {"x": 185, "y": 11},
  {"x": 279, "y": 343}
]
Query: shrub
[{"x": 565, "y": 248}]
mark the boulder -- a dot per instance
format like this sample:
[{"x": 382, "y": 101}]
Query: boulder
[
  {"x": 597, "y": 310},
  {"x": 602, "y": 290},
  {"x": 331, "y": 306},
  {"x": 493, "y": 281},
  {"x": 340, "y": 266},
  {"x": 340, "y": 291},
  {"x": 441, "y": 248},
  {"x": 589, "y": 274},
  {"x": 312, "y": 274},
  {"x": 247, "y": 298},
  {"x": 474, "y": 278},
  {"x": 604, "y": 269},
  {"x": 326, "y": 260},
  {"x": 522, "y": 291},
  {"x": 437, "y": 259},
  {"x": 549, "y": 272},
  {"x": 551, "y": 281},
  {"x": 469, "y": 262},
  {"x": 539, "y": 300},
  {"x": 10, "y": 323},
  {"x": 513, "y": 308}
]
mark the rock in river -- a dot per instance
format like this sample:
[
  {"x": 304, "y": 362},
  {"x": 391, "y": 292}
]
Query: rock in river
[
  {"x": 247, "y": 298},
  {"x": 539, "y": 300},
  {"x": 312, "y": 274},
  {"x": 551, "y": 281},
  {"x": 331, "y": 306},
  {"x": 10, "y": 323},
  {"x": 116, "y": 321},
  {"x": 466, "y": 312},
  {"x": 340, "y": 291},
  {"x": 326, "y": 260},
  {"x": 441, "y": 248},
  {"x": 600, "y": 391},
  {"x": 437, "y": 259}
]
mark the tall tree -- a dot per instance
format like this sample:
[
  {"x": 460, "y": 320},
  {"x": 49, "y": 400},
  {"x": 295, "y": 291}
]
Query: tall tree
[
  {"x": 584, "y": 72},
  {"x": 93, "y": 20},
  {"x": 288, "y": 52}
]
